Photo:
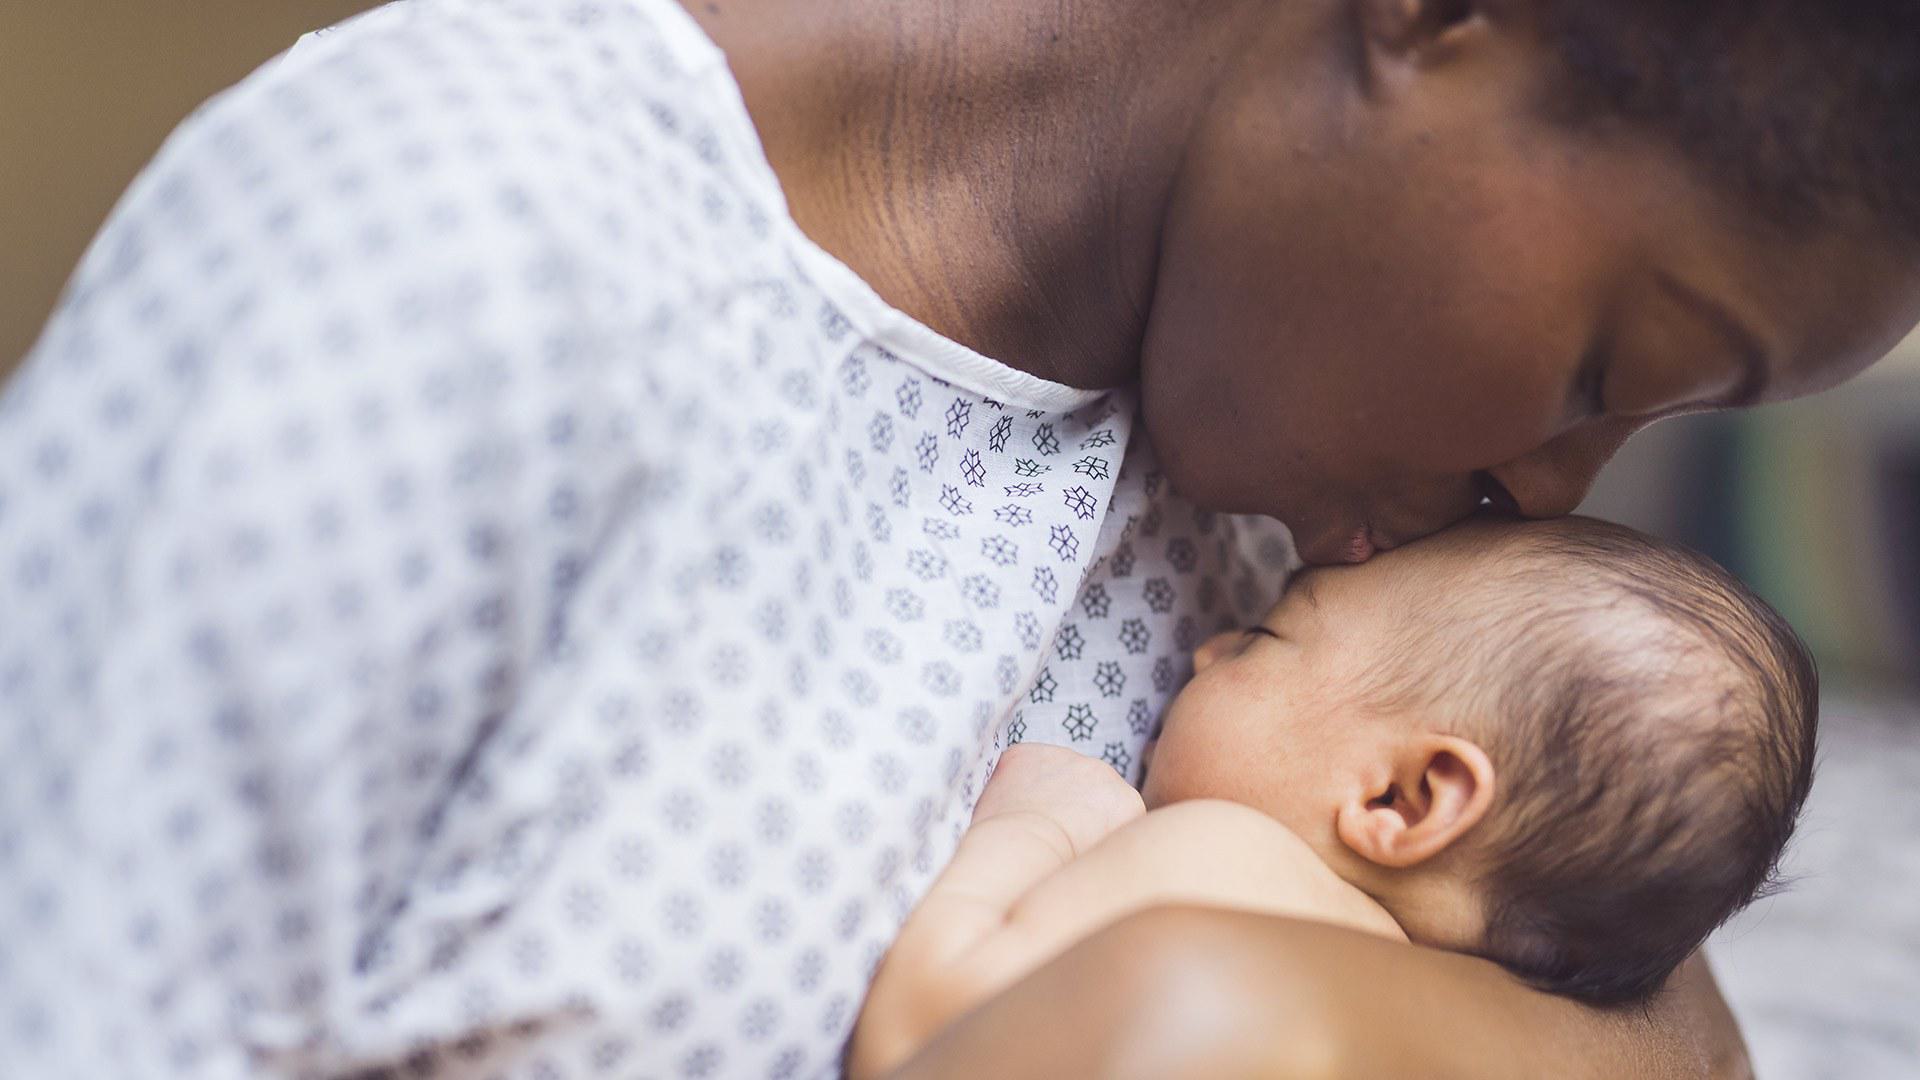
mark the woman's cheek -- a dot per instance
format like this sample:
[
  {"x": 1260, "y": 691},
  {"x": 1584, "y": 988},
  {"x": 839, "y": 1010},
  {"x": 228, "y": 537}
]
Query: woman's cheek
[{"x": 1485, "y": 413}]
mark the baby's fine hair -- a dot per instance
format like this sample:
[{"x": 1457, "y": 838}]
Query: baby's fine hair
[{"x": 1652, "y": 725}]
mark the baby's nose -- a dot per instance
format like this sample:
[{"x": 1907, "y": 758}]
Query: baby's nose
[{"x": 1214, "y": 648}]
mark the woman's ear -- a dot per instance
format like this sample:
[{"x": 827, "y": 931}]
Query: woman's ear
[
  {"x": 1402, "y": 32},
  {"x": 1403, "y": 25},
  {"x": 1431, "y": 792}
]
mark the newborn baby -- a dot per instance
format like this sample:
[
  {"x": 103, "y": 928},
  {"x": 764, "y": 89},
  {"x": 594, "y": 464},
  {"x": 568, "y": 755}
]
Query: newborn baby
[{"x": 1558, "y": 745}]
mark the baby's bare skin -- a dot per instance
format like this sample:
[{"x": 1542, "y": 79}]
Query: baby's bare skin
[{"x": 1060, "y": 847}]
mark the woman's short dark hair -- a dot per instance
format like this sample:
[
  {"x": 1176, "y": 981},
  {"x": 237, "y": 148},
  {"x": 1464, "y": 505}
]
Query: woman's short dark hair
[{"x": 1807, "y": 109}]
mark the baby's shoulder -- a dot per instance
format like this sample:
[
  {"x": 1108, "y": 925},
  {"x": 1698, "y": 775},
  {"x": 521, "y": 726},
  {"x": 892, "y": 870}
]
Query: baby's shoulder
[
  {"x": 1207, "y": 827},
  {"x": 1251, "y": 860}
]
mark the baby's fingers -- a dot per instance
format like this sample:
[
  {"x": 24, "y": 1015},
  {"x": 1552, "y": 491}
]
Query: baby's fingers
[{"x": 1082, "y": 794}]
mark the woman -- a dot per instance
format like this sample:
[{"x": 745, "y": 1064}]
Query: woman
[{"x": 492, "y": 593}]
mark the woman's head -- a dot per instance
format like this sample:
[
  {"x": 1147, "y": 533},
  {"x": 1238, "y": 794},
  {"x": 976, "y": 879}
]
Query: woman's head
[{"x": 1425, "y": 253}]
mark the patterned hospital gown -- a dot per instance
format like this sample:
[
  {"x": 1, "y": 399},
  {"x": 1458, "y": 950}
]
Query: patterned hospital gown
[{"x": 482, "y": 594}]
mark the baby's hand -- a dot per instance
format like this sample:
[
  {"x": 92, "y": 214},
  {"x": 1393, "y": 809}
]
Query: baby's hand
[
  {"x": 1045, "y": 807},
  {"x": 1080, "y": 794}
]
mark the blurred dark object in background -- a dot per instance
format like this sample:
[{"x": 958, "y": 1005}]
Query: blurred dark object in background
[{"x": 1900, "y": 495}]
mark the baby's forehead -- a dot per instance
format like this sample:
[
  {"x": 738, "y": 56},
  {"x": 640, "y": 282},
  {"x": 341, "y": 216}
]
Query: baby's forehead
[
  {"x": 1497, "y": 536},
  {"x": 1566, "y": 584},
  {"x": 1576, "y": 583},
  {"x": 1500, "y": 549}
]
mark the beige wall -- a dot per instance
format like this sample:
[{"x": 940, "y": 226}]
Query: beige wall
[{"x": 88, "y": 89}]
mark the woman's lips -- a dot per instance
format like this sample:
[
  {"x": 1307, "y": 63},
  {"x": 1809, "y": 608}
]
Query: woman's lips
[
  {"x": 1355, "y": 545},
  {"x": 1360, "y": 546},
  {"x": 1336, "y": 547}
]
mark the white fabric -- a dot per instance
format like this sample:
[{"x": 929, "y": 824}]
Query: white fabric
[{"x": 484, "y": 595}]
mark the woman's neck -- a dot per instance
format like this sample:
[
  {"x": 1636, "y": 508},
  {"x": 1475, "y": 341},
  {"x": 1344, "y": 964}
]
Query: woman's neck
[{"x": 998, "y": 169}]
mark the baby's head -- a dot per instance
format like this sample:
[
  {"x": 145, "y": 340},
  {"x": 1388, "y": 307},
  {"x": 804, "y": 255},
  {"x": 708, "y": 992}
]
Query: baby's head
[{"x": 1557, "y": 744}]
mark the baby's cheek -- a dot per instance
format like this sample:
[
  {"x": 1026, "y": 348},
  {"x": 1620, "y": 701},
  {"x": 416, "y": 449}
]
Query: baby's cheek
[
  {"x": 1203, "y": 743},
  {"x": 1168, "y": 778},
  {"x": 1181, "y": 768}
]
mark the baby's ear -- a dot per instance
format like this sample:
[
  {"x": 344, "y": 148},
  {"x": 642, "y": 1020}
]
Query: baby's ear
[{"x": 1432, "y": 790}]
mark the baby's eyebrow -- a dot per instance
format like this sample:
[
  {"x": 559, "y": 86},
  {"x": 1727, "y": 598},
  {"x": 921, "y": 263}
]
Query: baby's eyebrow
[{"x": 1306, "y": 591}]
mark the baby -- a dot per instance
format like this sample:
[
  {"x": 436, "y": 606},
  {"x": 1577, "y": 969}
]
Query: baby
[{"x": 1558, "y": 745}]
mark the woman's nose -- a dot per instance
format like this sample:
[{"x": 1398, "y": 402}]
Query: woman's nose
[{"x": 1554, "y": 480}]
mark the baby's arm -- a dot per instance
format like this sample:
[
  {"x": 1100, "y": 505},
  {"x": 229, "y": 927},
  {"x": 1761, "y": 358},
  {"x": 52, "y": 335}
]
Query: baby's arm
[
  {"x": 1058, "y": 851},
  {"x": 1044, "y": 806}
]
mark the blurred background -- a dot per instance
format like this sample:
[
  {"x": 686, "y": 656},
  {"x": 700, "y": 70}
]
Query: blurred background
[
  {"x": 88, "y": 89},
  {"x": 1816, "y": 504}
]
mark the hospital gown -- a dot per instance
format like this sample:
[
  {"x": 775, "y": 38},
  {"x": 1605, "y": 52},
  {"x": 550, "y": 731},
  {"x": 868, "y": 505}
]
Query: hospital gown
[{"x": 482, "y": 594}]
